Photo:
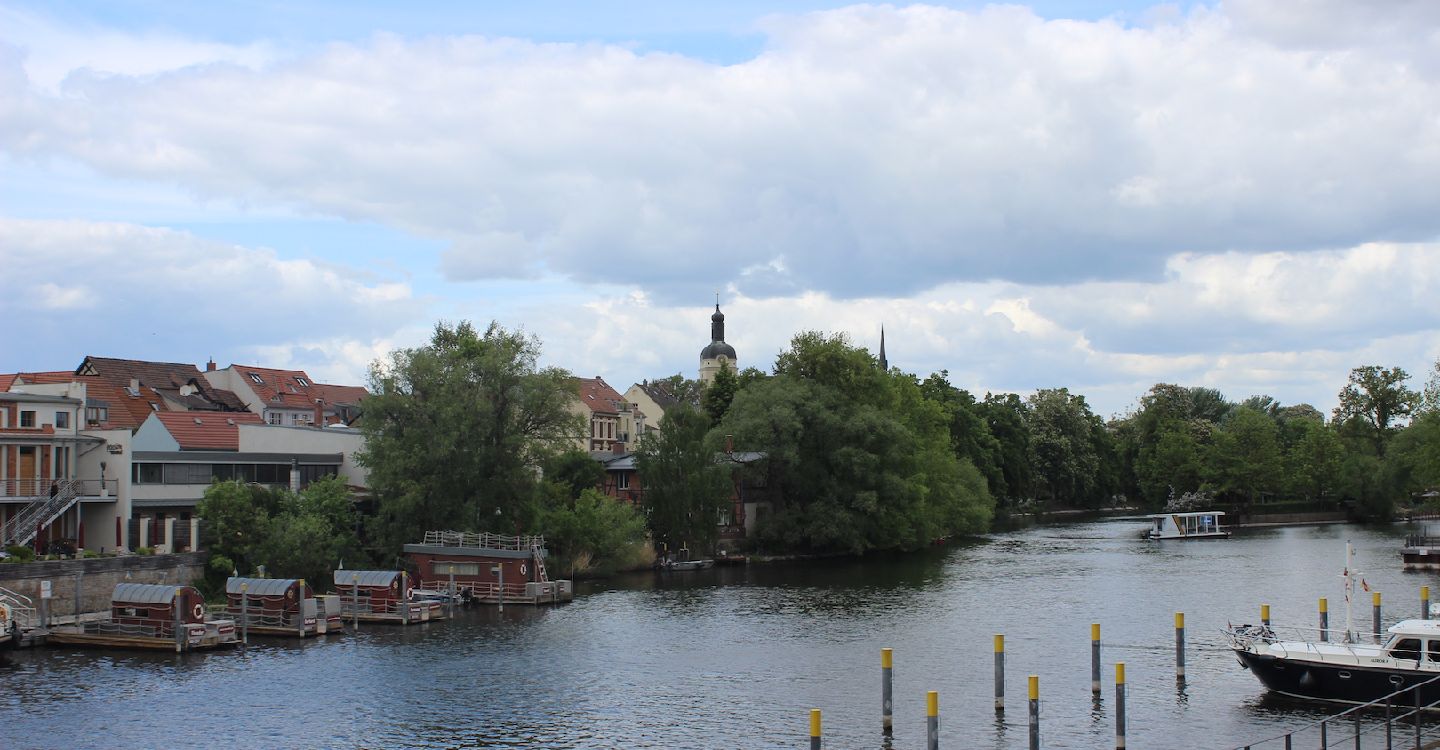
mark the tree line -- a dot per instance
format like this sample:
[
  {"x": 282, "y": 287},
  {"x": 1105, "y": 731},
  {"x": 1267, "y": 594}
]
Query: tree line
[{"x": 468, "y": 432}]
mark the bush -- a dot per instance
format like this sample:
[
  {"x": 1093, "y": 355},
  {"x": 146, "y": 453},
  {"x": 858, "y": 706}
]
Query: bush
[
  {"x": 90, "y": 554},
  {"x": 20, "y": 553},
  {"x": 145, "y": 551}
]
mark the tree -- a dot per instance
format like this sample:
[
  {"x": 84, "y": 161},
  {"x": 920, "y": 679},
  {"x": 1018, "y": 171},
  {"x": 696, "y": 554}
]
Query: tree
[
  {"x": 575, "y": 471},
  {"x": 1008, "y": 419},
  {"x": 595, "y": 534},
  {"x": 1245, "y": 457},
  {"x": 1313, "y": 458},
  {"x": 1372, "y": 401},
  {"x": 236, "y": 522},
  {"x": 719, "y": 393},
  {"x": 293, "y": 536},
  {"x": 685, "y": 491},
  {"x": 454, "y": 430},
  {"x": 1065, "y": 447},
  {"x": 1430, "y": 394},
  {"x": 970, "y": 436},
  {"x": 1173, "y": 466}
]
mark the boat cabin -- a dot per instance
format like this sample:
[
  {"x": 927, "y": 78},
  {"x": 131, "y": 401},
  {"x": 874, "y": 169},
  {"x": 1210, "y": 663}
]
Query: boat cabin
[
  {"x": 1196, "y": 525},
  {"x": 156, "y": 605},
  {"x": 371, "y": 590},
  {"x": 486, "y": 567},
  {"x": 1415, "y": 640},
  {"x": 274, "y": 606}
]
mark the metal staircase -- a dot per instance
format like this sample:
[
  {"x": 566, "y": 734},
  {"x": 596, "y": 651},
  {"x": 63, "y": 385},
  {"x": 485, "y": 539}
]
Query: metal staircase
[
  {"x": 22, "y": 528},
  {"x": 539, "y": 556}
]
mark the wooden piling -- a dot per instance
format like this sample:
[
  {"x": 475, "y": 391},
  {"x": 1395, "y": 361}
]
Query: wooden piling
[
  {"x": 1120, "y": 705},
  {"x": 245, "y": 614},
  {"x": 999, "y": 673},
  {"x": 887, "y": 718}
]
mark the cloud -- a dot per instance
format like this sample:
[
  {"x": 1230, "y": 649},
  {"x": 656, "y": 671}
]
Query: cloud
[
  {"x": 867, "y": 152},
  {"x": 82, "y": 287}
]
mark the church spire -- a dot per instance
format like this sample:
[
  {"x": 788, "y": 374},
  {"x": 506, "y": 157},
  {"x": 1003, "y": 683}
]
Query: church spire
[{"x": 884, "y": 364}]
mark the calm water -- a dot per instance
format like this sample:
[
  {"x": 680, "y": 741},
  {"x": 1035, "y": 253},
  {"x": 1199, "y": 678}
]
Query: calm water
[{"x": 734, "y": 658}]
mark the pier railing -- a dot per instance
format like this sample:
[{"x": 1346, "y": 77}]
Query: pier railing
[
  {"x": 1401, "y": 723},
  {"x": 22, "y": 608},
  {"x": 482, "y": 541}
]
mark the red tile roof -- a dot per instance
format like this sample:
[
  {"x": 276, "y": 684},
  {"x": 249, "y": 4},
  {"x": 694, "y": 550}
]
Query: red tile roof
[
  {"x": 124, "y": 411},
  {"x": 159, "y": 380},
  {"x": 6, "y": 381},
  {"x": 596, "y": 394},
  {"x": 293, "y": 389},
  {"x": 206, "y": 431}
]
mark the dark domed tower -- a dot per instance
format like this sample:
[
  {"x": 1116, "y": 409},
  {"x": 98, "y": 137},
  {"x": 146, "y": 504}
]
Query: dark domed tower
[{"x": 718, "y": 354}]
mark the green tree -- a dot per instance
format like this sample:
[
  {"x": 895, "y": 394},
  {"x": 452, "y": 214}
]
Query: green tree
[
  {"x": 575, "y": 471},
  {"x": 595, "y": 534},
  {"x": 1009, "y": 421},
  {"x": 454, "y": 430},
  {"x": 719, "y": 393},
  {"x": 1313, "y": 458},
  {"x": 1372, "y": 402},
  {"x": 1245, "y": 458},
  {"x": 1173, "y": 466},
  {"x": 235, "y": 523},
  {"x": 1066, "y": 448},
  {"x": 684, "y": 490},
  {"x": 970, "y": 435},
  {"x": 1430, "y": 393}
]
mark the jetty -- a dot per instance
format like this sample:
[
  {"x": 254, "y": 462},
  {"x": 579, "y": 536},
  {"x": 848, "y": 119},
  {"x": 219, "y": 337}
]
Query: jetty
[
  {"x": 384, "y": 596},
  {"x": 152, "y": 617}
]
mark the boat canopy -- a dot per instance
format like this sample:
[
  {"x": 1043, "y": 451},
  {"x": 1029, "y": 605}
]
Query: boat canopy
[
  {"x": 1189, "y": 514},
  {"x": 260, "y": 586},
  {"x": 367, "y": 578},
  {"x": 144, "y": 593}
]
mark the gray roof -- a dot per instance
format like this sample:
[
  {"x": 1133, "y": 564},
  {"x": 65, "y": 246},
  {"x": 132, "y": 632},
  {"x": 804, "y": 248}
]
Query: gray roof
[
  {"x": 367, "y": 577},
  {"x": 716, "y": 348},
  {"x": 144, "y": 593},
  {"x": 260, "y": 586}
]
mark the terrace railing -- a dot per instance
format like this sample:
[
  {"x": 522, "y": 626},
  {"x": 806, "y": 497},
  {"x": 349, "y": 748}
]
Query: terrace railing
[{"x": 482, "y": 541}]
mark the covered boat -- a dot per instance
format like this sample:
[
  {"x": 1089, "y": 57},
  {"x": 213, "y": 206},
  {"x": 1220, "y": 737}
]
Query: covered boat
[
  {"x": 1197, "y": 525},
  {"x": 150, "y": 616}
]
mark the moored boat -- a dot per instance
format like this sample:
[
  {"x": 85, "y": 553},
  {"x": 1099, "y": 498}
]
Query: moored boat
[
  {"x": 1343, "y": 672},
  {"x": 1194, "y": 525}
]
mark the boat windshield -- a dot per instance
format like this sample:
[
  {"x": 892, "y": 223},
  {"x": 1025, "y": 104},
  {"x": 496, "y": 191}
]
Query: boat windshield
[{"x": 1407, "y": 648}]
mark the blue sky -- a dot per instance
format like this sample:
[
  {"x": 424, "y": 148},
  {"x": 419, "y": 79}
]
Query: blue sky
[{"x": 1094, "y": 195}]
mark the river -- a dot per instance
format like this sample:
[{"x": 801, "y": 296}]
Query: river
[{"x": 735, "y": 657}]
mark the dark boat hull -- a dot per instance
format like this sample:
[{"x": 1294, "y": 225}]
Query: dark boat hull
[{"x": 1343, "y": 684}]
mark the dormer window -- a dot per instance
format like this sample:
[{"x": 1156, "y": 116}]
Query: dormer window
[
  {"x": 256, "y": 379},
  {"x": 303, "y": 382}
]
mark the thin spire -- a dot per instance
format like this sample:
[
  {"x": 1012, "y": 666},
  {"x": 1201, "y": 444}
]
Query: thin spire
[{"x": 884, "y": 365}]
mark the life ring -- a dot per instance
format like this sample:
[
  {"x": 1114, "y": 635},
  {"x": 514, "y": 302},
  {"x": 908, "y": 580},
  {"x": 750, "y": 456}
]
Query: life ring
[
  {"x": 522, "y": 569},
  {"x": 409, "y": 593},
  {"x": 199, "y": 612}
]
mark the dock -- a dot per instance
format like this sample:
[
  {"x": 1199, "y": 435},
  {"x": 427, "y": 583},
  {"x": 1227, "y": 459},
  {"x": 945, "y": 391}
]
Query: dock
[{"x": 1421, "y": 551}]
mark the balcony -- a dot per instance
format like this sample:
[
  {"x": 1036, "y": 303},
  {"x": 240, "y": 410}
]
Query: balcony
[{"x": 28, "y": 490}]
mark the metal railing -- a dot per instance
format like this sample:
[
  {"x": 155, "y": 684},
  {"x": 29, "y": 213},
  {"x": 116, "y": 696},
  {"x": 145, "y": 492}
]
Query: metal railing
[
  {"x": 26, "y": 523},
  {"x": 1310, "y": 639},
  {"x": 22, "y": 608},
  {"x": 1348, "y": 728},
  {"x": 482, "y": 541}
]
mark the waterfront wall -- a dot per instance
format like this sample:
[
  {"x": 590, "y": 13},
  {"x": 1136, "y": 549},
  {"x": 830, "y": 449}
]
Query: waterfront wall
[
  {"x": 97, "y": 577},
  {"x": 1285, "y": 519}
]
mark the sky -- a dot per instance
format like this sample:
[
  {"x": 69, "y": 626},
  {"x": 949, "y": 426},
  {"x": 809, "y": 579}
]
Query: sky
[{"x": 1101, "y": 196}]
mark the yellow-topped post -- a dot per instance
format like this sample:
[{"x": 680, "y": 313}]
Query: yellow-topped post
[
  {"x": 1375, "y": 614},
  {"x": 1034, "y": 712},
  {"x": 1324, "y": 619},
  {"x": 244, "y": 614},
  {"x": 1424, "y": 602},
  {"x": 1095, "y": 658},
  {"x": 932, "y": 720},
  {"x": 1119, "y": 705},
  {"x": 999, "y": 673},
  {"x": 1265, "y": 615},
  {"x": 887, "y": 705},
  {"x": 1180, "y": 646},
  {"x": 814, "y": 729}
]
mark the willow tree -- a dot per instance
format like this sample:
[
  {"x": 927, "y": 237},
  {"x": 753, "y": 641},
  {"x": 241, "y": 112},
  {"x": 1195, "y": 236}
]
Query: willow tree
[{"x": 454, "y": 431}]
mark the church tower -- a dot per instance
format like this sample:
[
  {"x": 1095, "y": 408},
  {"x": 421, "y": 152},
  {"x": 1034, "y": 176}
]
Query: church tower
[
  {"x": 884, "y": 363},
  {"x": 718, "y": 354}
]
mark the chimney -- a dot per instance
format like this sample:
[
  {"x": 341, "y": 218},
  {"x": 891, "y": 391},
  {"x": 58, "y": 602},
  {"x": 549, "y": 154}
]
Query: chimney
[
  {"x": 135, "y": 386},
  {"x": 729, "y": 444},
  {"x": 319, "y": 412},
  {"x": 210, "y": 366}
]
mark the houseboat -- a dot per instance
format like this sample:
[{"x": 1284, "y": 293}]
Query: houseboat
[
  {"x": 1205, "y": 524},
  {"x": 150, "y": 616},
  {"x": 384, "y": 596},
  {"x": 283, "y": 607},
  {"x": 487, "y": 568}
]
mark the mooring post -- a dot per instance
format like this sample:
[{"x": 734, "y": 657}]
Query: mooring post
[
  {"x": 1324, "y": 734},
  {"x": 245, "y": 614},
  {"x": 176, "y": 604},
  {"x": 404, "y": 598},
  {"x": 1034, "y": 712},
  {"x": 355, "y": 601},
  {"x": 1375, "y": 614},
  {"x": 300, "y": 597},
  {"x": 1265, "y": 615},
  {"x": 1324, "y": 619},
  {"x": 452, "y": 590},
  {"x": 1424, "y": 602},
  {"x": 999, "y": 673},
  {"x": 1389, "y": 738},
  {"x": 932, "y": 720},
  {"x": 1095, "y": 658},
  {"x": 887, "y": 718},
  {"x": 814, "y": 729},
  {"x": 1120, "y": 705},
  {"x": 78, "y": 588},
  {"x": 1180, "y": 646}
]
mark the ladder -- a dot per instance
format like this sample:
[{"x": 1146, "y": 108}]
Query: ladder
[{"x": 539, "y": 556}]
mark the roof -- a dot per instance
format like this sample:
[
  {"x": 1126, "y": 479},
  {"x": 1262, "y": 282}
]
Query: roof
[
  {"x": 206, "y": 430},
  {"x": 260, "y": 586},
  {"x": 717, "y": 348},
  {"x": 368, "y": 578},
  {"x": 160, "y": 385},
  {"x": 598, "y": 396},
  {"x": 615, "y": 461},
  {"x": 293, "y": 389},
  {"x": 6, "y": 381},
  {"x": 1188, "y": 513},
  {"x": 340, "y": 394},
  {"x": 144, "y": 593}
]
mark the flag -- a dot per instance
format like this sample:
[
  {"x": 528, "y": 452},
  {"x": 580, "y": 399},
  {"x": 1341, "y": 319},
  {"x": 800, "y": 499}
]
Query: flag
[{"x": 1364, "y": 585}]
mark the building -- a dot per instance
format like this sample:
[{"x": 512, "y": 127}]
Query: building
[
  {"x": 289, "y": 397},
  {"x": 621, "y": 480},
  {"x": 717, "y": 354},
  {"x": 609, "y": 417},
  {"x": 653, "y": 399},
  {"x": 43, "y": 487}
]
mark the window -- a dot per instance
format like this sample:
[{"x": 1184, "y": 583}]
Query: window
[
  {"x": 303, "y": 382},
  {"x": 622, "y": 481},
  {"x": 1433, "y": 650},
  {"x": 27, "y": 419},
  {"x": 442, "y": 568},
  {"x": 97, "y": 414},
  {"x": 1407, "y": 648},
  {"x": 62, "y": 420},
  {"x": 149, "y": 473},
  {"x": 188, "y": 473},
  {"x": 274, "y": 417},
  {"x": 256, "y": 379}
]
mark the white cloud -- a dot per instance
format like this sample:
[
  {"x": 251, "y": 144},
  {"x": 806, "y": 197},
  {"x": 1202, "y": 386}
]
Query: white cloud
[{"x": 869, "y": 151}]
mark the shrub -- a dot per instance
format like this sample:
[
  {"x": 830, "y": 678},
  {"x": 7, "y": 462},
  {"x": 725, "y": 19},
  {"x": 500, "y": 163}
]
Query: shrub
[
  {"x": 20, "y": 553},
  {"x": 145, "y": 551}
]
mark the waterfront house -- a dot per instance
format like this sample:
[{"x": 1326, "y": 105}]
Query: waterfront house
[
  {"x": 609, "y": 418},
  {"x": 289, "y": 397}
]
